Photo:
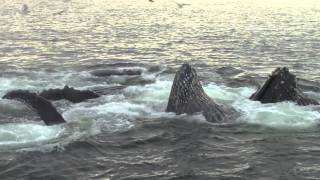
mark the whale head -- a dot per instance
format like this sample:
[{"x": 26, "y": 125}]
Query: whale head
[
  {"x": 187, "y": 96},
  {"x": 186, "y": 84},
  {"x": 281, "y": 86}
]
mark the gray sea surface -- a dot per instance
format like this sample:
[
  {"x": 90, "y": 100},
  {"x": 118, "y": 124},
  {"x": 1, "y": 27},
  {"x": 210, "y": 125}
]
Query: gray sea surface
[{"x": 126, "y": 134}]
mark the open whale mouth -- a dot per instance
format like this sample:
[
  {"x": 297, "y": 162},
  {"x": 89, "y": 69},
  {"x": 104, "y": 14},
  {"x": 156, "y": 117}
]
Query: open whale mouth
[
  {"x": 279, "y": 76},
  {"x": 187, "y": 96},
  {"x": 281, "y": 86}
]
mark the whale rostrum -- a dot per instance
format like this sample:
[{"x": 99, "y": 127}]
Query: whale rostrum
[
  {"x": 282, "y": 86},
  {"x": 44, "y": 108},
  {"x": 187, "y": 96}
]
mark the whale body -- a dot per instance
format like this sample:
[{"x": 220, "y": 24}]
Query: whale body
[
  {"x": 44, "y": 108},
  {"x": 282, "y": 86},
  {"x": 187, "y": 96},
  {"x": 68, "y": 93},
  {"x": 117, "y": 72}
]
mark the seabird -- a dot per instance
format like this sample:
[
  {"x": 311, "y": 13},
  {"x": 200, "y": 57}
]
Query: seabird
[
  {"x": 181, "y": 5},
  {"x": 59, "y": 12}
]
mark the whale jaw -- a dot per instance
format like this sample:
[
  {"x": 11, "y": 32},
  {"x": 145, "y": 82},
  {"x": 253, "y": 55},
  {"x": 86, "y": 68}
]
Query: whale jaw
[
  {"x": 187, "y": 96},
  {"x": 281, "y": 86}
]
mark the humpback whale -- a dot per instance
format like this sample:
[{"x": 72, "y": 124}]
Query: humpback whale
[
  {"x": 68, "y": 93},
  {"x": 187, "y": 96},
  {"x": 281, "y": 86},
  {"x": 47, "y": 112},
  {"x": 116, "y": 72}
]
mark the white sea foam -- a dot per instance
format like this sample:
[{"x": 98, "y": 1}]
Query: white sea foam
[
  {"x": 277, "y": 115},
  {"x": 19, "y": 133},
  {"x": 119, "y": 112},
  {"x": 154, "y": 97}
]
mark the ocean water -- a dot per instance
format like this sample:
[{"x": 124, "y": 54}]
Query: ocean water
[{"x": 233, "y": 44}]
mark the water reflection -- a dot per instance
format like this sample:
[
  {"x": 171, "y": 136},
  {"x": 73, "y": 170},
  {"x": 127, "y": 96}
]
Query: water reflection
[{"x": 239, "y": 33}]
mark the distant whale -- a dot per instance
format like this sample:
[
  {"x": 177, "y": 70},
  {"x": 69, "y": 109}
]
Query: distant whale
[
  {"x": 187, "y": 96},
  {"x": 69, "y": 93},
  {"x": 282, "y": 86},
  {"x": 47, "y": 112},
  {"x": 116, "y": 72}
]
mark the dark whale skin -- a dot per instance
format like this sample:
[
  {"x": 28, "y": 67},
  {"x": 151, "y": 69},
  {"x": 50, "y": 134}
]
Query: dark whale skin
[
  {"x": 187, "y": 96},
  {"x": 282, "y": 86},
  {"x": 44, "y": 108},
  {"x": 68, "y": 93}
]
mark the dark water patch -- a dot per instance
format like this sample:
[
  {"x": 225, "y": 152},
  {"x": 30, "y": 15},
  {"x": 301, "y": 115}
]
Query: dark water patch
[
  {"x": 172, "y": 149},
  {"x": 228, "y": 71}
]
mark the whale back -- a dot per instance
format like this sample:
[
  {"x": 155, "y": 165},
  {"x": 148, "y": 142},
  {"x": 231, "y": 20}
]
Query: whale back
[
  {"x": 281, "y": 86},
  {"x": 68, "y": 93},
  {"x": 44, "y": 108},
  {"x": 187, "y": 96}
]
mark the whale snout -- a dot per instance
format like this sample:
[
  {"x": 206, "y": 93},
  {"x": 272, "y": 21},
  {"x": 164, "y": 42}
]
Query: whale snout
[{"x": 186, "y": 68}]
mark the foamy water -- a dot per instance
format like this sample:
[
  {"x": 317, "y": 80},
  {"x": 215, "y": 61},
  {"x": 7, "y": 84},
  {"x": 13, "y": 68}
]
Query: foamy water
[
  {"x": 120, "y": 111},
  {"x": 15, "y": 133}
]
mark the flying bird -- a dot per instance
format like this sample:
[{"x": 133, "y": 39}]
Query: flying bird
[
  {"x": 181, "y": 5},
  {"x": 59, "y": 12},
  {"x": 25, "y": 9}
]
